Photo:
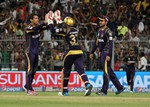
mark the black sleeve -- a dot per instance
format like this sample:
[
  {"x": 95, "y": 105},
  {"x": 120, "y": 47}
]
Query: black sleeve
[{"x": 37, "y": 29}]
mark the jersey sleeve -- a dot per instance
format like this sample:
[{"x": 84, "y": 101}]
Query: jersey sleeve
[
  {"x": 110, "y": 39},
  {"x": 37, "y": 29}
]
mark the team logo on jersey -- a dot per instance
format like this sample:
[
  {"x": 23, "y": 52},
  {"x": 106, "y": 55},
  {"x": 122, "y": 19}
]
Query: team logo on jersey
[
  {"x": 101, "y": 40},
  {"x": 36, "y": 36},
  {"x": 74, "y": 32}
]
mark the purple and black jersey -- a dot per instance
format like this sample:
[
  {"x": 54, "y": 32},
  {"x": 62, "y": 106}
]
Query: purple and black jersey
[
  {"x": 131, "y": 60},
  {"x": 104, "y": 41},
  {"x": 71, "y": 39},
  {"x": 72, "y": 56},
  {"x": 32, "y": 36}
]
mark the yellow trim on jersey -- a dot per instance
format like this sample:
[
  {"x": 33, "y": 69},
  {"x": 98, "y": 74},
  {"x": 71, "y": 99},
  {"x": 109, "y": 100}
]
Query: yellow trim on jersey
[
  {"x": 73, "y": 52},
  {"x": 97, "y": 42},
  {"x": 61, "y": 35},
  {"x": 106, "y": 68},
  {"x": 28, "y": 31},
  {"x": 28, "y": 65},
  {"x": 44, "y": 26}
]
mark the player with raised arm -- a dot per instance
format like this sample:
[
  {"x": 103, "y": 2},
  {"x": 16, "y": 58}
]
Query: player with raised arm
[
  {"x": 32, "y": 36},
  {"x": 72, "y": 56}
]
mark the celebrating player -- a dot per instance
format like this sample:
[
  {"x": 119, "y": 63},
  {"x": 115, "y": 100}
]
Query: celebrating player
[
  {"x": 32, "y": 35},
  {"x": 73, "y": 56},
  {"x": 104, "y": 42}
]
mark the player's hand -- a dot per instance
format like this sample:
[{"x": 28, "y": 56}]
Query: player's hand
[
  {"x": 46, "y": 19},
  {"x": 57, "y": 17},
  {"x": 91, "y": 56},
  {"x": 50, "y": 17},
  {"x": 107, "y": 58}
]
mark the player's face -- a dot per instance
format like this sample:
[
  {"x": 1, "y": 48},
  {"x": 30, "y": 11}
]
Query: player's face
[
  {"x": 35, "y": 20},
  {"x": 102, "y": 23},
  {"x": 131, "y": 52}
]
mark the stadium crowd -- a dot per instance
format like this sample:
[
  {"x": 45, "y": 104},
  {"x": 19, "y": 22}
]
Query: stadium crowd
[{"x": 128, "y": 19}]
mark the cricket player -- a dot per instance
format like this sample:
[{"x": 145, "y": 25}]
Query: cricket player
[
  {"x": 32, "y": 35},
  {"x": 130, "y": 61},
  {"x": 72, "y": 56},
  {"x": 104, "y": 42}
]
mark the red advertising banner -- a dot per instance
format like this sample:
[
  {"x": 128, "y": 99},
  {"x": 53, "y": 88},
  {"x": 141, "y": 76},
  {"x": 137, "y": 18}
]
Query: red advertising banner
[
  {"x": 44, "y": 79},
  {"x": 12, "y": 79},
  {"x": 53, "y": 79}
]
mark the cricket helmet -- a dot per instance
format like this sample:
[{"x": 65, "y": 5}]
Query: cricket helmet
[{"x": 69, "y": 21}]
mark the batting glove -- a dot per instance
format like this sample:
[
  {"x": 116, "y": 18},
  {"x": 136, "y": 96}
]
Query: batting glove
[{"x": 57, "y": 17}]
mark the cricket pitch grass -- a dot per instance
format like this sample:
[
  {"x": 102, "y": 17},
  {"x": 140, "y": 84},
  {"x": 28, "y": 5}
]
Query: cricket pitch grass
[{"x": 75, "y": 99}]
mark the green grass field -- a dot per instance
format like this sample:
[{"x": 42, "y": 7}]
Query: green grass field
[{"x": 76, "y": 99}]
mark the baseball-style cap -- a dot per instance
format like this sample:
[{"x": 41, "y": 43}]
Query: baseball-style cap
[{"x": 103, "y": 18}]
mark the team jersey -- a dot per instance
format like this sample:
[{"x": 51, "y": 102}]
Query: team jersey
[
  {"x": 131, "y": 60},
  {"x": 104, "y": 41},
  {"x": 32, "y": 36},
  {"x": 71, "y": 38}
]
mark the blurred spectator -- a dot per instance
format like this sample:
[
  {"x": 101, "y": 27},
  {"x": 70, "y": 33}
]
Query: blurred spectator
[
  {"x": 47, "y": 35},
  {"x": 20, "y": 60},
  {"x": 21, "y": 11},
  {"x": 5, "y": 58},
  {"x": 122, "y": 31},
  {"x": 134, "y": 37},
  {"x": 142, "y": 62},
  {"x": 19, "y": 32},
  {"x": 144, "y": 36},
  {"x": 13, "y": 58}
]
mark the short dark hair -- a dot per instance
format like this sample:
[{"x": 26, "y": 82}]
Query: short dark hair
[
  {"x": 32, "y": 15},
  {"x": 142, "y": 54}
]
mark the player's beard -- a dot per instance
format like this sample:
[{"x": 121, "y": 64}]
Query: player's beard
[{"x": 103, "y": 26}]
